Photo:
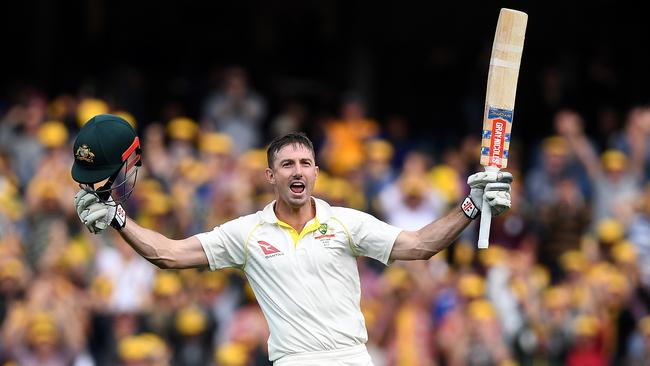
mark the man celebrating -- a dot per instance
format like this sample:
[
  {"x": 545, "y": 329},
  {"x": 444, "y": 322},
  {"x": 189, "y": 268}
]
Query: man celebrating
[{"x": 299, "y": 253}]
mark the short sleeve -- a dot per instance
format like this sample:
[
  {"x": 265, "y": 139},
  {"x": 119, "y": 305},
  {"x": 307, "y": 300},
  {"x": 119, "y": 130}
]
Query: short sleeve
[
  {"x": 370, "y": 236},
  {"x": 225, "y": 245}
]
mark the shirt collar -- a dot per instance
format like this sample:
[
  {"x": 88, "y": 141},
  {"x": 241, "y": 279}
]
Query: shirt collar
[{"x": 323, "y": 211}]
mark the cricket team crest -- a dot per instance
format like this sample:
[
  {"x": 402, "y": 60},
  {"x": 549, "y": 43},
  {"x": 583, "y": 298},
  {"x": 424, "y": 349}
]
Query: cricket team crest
[
  {"x": 323, "y": 235},
  {"x": 322, "y": 229},
  {"x": 84, "y": 153}
]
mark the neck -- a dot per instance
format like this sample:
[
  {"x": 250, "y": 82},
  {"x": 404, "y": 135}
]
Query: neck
[{"x": 297, "y": 217}]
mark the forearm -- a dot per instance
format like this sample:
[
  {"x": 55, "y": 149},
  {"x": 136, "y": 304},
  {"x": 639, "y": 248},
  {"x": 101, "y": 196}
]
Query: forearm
[
  {"x": 151, "y": 245},
  {"x": 432, "y": 238},
  {"x": 439, "y": 234}
]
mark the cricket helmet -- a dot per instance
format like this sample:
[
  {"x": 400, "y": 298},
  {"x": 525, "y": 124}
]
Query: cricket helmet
[{"x": 105, "y": 148}]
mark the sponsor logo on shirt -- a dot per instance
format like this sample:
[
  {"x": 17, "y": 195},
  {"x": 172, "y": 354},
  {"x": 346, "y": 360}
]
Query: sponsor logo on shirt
[{"x": 269, "y": 250}]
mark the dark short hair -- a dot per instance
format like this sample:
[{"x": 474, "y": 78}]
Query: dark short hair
[{"x": 293, "y": 138}]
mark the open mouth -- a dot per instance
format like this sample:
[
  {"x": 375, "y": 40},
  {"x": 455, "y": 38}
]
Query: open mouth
[{"x": 297, "y": 187}]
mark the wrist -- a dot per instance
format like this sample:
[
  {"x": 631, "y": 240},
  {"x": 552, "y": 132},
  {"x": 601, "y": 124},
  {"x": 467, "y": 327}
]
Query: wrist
[
  {"x": 119, "y": 220},
  {"x": 469, "y": 208}
]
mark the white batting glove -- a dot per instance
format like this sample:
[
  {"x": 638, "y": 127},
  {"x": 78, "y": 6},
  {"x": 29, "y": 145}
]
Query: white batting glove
[
  {"x": 97, "y": 215},
  {"x": 496, "y": 188},
  {"x": 498, "y": 197},
  {"x": 82, "y": 200}
]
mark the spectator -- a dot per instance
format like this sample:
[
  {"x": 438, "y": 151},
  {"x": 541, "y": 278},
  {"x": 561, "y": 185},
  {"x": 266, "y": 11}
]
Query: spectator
[
  {"x": 144, "y": 349},
  {"x": 343, "y": 147},
  {"x": 236, "y": 110},
  {"x": 19, "y": 129},
  {"x": 640, "y": 348},
  {"x": 192, "y": 337},
  {"x": 555, "y": 322},
  {"x": 541, "y": 181},
  {"x": 130, "y": 276},
  {"x": 42, "y": 344},
  {"x": 411, "y": 202},
  {"x": 378, "y": 172},
  {"x": 587, "y": 348},
  {"x": 616, "y": 179},
  {"x": 182, "y": 133},
  {"x": 291, "y": 119},
  {"x": 639, "y": 234},
  {"x": 563, "y": 220},
  {"x": 631, "y": 140},
  {"x": 232, "y": 354},
  {"x": 157, "y": 160}
]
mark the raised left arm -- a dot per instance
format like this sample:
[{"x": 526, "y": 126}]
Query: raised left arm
[
  {"x": 438, "y": 235},
  {"x": 431, "y": 239}
]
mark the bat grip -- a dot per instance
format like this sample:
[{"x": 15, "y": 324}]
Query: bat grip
[
  {"x": 486, "y": 217},
  {"x": 484, "y": 229}
]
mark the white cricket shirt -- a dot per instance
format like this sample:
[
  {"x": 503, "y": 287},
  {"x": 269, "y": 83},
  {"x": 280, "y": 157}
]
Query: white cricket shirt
[{"x": 307, "y": 283}]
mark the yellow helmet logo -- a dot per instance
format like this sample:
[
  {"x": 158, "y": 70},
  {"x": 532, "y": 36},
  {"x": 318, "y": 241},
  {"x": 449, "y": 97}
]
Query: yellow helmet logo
[{"x": 84, "y": 153}]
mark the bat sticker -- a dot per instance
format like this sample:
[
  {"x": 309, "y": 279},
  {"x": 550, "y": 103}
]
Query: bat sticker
[{"x": 500, "y": 120}]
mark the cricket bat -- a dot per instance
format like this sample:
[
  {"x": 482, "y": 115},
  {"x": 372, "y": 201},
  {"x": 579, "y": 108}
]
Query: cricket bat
[{"x": 500, "y": 101}]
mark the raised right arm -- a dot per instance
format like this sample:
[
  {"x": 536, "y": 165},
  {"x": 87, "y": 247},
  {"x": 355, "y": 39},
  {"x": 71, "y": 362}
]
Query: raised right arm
[
  {"x": 161, "y": 251},
  {"x": 153, "y": 246}
]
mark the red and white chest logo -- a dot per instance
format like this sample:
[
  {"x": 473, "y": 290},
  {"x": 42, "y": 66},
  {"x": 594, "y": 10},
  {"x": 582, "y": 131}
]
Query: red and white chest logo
[{"x": 267, "y": 248}]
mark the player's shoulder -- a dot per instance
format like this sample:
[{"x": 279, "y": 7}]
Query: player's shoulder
[
  {"x": 344, "y": 213},
  {"x": 246, "y": 221}
]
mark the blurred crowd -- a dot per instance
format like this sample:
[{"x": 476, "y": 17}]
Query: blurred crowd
[{"x": 565, "y": 281}]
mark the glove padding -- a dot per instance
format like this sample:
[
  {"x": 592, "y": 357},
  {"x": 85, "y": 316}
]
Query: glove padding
[
  {"x": 496, "y": 188},
  {"x": 97, "y": 215}
]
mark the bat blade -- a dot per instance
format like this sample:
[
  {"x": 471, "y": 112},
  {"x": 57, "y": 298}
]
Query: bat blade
[
  {"x": 500, "y": 95},
  {"x": 502, "y": 87}
]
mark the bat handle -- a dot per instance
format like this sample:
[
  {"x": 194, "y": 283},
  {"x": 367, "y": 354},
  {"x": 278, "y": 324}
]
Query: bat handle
[{"x": 486, "y": 217}]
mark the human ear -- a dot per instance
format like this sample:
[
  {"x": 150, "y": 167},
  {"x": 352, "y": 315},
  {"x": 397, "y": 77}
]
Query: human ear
[{"x": 270, "y": 177}]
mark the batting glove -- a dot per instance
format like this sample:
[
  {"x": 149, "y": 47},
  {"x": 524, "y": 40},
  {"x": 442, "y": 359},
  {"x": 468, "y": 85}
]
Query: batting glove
[
  {"x": 496, "y": 188},
  {"x": 97, "y": 215}
]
